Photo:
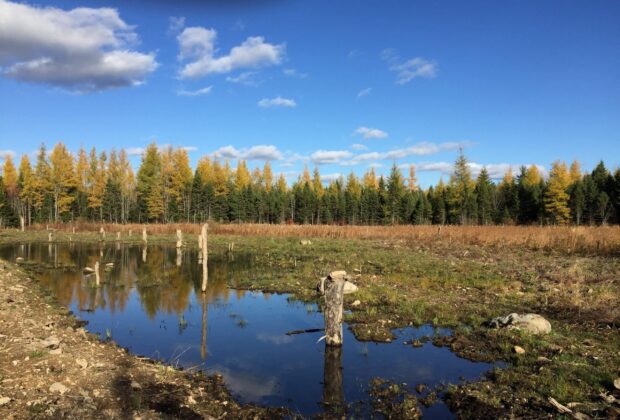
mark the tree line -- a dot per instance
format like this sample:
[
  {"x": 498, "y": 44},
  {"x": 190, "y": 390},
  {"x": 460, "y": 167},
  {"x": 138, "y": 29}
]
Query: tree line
[{"x": 102, "y": 187}]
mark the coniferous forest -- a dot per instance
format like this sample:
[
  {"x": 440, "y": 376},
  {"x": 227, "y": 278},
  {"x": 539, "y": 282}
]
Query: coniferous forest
[{"x": 102, "y": 187}]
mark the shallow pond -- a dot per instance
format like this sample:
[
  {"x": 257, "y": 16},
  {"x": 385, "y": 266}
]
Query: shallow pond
[{"x": 150, "y": 302}]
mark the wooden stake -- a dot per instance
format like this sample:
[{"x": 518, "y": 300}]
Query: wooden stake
[
  {"x": 118, "y": 236},
  {"x": 334, "y": 300},
  {"x": 205, "y": 256},
  {"x": 179, "y": 238},
  {"x": 101, "y": 234},
  {"x": 144, "y": 238},
  {"x": 50, "y": 236}
]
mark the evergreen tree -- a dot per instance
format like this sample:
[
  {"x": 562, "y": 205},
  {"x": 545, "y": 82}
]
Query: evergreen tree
[
  {"x": 395, "y": 193},
  {"x": 149, "y": 186},
  {"x": 484, "y": 197},
  {"x": 462, "y": 199}
]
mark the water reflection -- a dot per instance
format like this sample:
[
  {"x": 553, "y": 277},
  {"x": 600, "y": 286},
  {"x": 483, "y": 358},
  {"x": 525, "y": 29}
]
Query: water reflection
[{"x": 151, "y": 302}]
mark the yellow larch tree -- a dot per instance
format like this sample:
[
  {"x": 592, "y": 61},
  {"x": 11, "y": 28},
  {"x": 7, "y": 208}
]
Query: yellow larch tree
[
  {"x": 63, "y": 180},
  {"x": 556, "y": 197}
]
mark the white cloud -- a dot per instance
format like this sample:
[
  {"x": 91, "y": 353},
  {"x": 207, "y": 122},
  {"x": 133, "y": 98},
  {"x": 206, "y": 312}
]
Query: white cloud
[
  {"x": 294, "y": 73},
  {"x": 259, "y": 152},
  {"x": 358, "y": 147},
  {"x": 277, "y": 102},
  {"x": 197, "y": 48},
  {"x": 83, "y": 49},
  {"x": 409, "y": 69},
  {"x": 415, "y": 67},
  {"x": 331, "y": 177},
  {"x": 198, "y": 92},
  {"x": 496, "y": 170},
  {"x": 370, "y": 133},
  {"x": 247, "y": 78},
  {"x": 420, "y": 149},
  {"x": 4, "y": 154},
  {"x": 329, "y": 156},
  {"x": 175, "y": 24},
  {"x": 364, "y": 92},
  {"x": 139, "y": 151}
]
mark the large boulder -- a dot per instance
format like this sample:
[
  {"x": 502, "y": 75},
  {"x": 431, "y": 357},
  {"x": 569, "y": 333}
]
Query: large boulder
[{"x": 532, "y": 323}]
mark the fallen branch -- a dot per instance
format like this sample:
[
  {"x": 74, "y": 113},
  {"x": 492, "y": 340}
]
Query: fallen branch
[{"x": 310, "y": 330}]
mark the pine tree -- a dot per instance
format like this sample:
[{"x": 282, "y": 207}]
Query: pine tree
[
  {"x": 41, "y": 191},
  {"x": 556, "y": 197},
  {"x": 395, "y": 193},
  {"x": 462, "y": 200},
  {"x": 484, "y": 197},
  {"x": 508, "y": 192},
  {"x": 26, "y": 189},
  {"x": 150, "y": 186}
]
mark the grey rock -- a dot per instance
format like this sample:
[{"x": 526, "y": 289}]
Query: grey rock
[
  {"x": 4, "y": 401},
  {"x": 532, "y": 323},
  {"x": 51, "y": 342}
]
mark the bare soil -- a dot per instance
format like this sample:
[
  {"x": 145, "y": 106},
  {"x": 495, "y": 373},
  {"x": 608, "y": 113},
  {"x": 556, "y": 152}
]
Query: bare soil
[{"x": 50, "y": 367}]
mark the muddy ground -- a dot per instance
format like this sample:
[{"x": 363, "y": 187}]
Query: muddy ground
[{"x": 50, "y": 367}]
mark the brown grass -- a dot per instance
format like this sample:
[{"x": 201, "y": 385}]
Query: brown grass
[{"x": 603, "y": 240}]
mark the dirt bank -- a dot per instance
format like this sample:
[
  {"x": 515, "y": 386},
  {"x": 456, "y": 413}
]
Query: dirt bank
[{"x": 50, "y": 367}]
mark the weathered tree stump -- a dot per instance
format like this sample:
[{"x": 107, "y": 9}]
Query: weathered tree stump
[
  {"x": 50, "y": 236},
  {"x": 334, "y": 300},
  {"x": 118, "y": 236},
  {"x": 97, "y": 278},
  {"x": 205, "y": 257},
  {"x": 144, "y": 238},
  {"x": 22, "y": 223},
  {"x": 101, "y": 234},
  {"x": 130, "y": 233},
  {"x": 144, "y": 253},
  {"x": 179, "y": 238}
]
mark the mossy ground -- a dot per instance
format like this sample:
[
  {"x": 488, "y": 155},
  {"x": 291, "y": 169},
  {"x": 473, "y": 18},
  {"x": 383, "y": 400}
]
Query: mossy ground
[{"x": 461, "y": 287}]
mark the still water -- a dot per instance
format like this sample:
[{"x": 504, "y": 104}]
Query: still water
[{"x": 150, "y": 302}]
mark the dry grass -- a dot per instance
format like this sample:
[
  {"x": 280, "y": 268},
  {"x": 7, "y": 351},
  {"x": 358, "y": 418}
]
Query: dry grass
[{"x": 603, "y": 240}]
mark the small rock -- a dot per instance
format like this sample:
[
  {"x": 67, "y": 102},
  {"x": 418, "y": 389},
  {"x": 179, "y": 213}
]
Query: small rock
[
  {"x": 518, "y": 349},
  {"x": 543, "y": 359},
  {"x": 305, "y": 242},
  {"x": 349, "y": 288},
  {"x": 356, "y": 303},
  {"x": 81, "y": 363},
  {"x": 51, "y": 342},
  {"x": 59, "y": 388},
  {"x": 56, "y": 351},
  {"x": 135, "y": 385},
  {"x": 617, "y": 383},
  {"x": 4, "y": 401}
]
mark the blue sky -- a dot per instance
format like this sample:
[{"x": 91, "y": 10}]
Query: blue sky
[{"x": 342, "y": 85}]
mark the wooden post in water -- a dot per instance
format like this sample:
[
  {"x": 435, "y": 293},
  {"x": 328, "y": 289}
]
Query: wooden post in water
[
  {"x": 118, "y": 235},
  {"x": 144, "y": 238},
  {"x": 97, "y": 278},
  {"x": 101, "y": 234},
  {"x": 205, "y": 256},
  {"x": 179, "y": 238},
  {"x": 334, "y": 300},
  {"x": 50, "y": 236},
  {"x": 73, "y": 230},
  {"x": 22, "y": 223}
]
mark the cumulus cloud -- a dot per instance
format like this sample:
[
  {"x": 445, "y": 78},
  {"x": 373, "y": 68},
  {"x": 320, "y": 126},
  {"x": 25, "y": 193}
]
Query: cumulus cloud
[
  {"x": 329, "y": 156},
  {"x": 277, "y": 102},
  {"x": 364, "y": 92},
  {"x": 331, "y": 177},
  {"x": 139, "y": 151},
  {"x": 259, "y": 152},
  {"x": 82, "y": 49},
  {"x": 197, "y": 92},
  {"x": 419, "y": 149},
  {"x": 197, "y": 50},
  {"x": 370, "y": 133},
  {"x": 410, "y": 69},
  {"x": 358, "y": 147},
  {"x": 496, "y": 170}
]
